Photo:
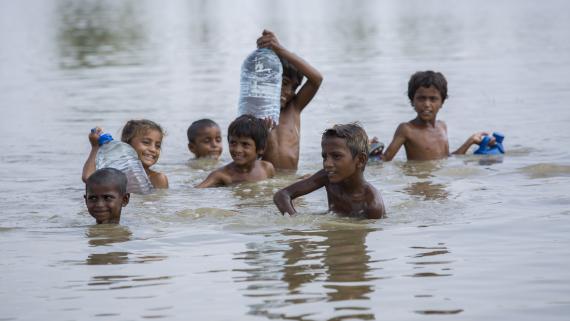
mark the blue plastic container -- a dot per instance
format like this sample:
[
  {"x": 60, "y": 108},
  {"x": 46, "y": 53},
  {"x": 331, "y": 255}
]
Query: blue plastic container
[{"x": 497, "y": 149}]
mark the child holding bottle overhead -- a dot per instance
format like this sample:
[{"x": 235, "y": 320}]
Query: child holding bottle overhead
[
  {"x": 424, "y": 137},
  {"x": 345, "y": 153},
  {"x": 145, "y": 136},
  {"x": 283, "y": 142},
  {"x": 247, "y": 136}
]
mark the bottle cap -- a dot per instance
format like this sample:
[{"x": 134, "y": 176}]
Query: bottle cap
[
  {"x": 499, "y": 137},
  {"x": 105, "y": 138}
]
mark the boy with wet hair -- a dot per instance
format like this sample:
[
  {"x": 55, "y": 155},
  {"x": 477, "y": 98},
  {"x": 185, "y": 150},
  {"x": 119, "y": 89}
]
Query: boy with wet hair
[
  {"x": 205, "y": 139},
  {"x": 106, "y": 195},
  {"x": 345, "y": 153},
  {"x": 247, "y": 136},
  {"x": 284, "y": 138},
  {"x": 424, "y": 137}
]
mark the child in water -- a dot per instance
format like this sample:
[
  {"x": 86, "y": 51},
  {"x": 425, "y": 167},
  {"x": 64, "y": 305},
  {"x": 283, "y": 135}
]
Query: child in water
[
  {"x": 345, "y": 153},
  {"x": 106, "y": 195},
  {"x": 205, "y": 139},
  {"x": 424, "y": 137},
  {"x": 145, "y": 137},
  {"x": 283, "y": 141},
  {"x": 247, "y": 136}
]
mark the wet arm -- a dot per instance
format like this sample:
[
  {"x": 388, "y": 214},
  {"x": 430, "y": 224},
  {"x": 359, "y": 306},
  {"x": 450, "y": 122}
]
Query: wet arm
[
  {"x": 213, "y": 180},
  {"x": 90, "y": 166},
  {"x": 476, "y": 138},
  {"x": 314, "y": 77},
  {"x": 283, "y": 199},
  {"x": 397, "y": 142}
]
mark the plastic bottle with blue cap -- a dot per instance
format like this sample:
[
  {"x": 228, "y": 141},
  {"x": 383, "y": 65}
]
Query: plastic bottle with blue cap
[
  {"x": 260, "y": 85},
  {"x": 496, "y": 149},
  {"x": 122, "y": 156}
]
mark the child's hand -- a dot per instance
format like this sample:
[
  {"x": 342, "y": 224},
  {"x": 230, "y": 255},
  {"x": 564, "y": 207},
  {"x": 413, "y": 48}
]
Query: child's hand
[
  {"x": 94, "y": 136},
  {"x": 269, "y": 123},
  {"x": 268, "y": 40},
  {"x": 477, "y": 138}
]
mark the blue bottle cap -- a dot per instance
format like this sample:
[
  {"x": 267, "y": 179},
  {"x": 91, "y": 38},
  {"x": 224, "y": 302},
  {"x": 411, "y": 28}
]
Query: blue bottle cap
[
  {"x": 105, "y": 138},
  {"x": 498, "y": 137}
]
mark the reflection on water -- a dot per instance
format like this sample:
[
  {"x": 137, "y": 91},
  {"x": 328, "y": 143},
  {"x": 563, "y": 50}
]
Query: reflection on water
[
  {"x": 336, "y": 258},
  {"x": 99, "y": 33},
  {"x": 106, "y": 234},
  {"x": 426, "y": 188}
]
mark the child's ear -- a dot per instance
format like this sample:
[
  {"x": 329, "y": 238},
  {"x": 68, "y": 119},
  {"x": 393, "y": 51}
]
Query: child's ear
[
  {"x": 192, "y": 147},
  {"x": 126, "y": 199},
  {"x": 361, "y": 160}
]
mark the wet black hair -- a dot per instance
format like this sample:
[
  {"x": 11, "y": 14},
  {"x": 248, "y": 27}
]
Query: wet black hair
[
  {"x": 426, "y": 79},
  {"x": 108, "y": 176},
  {"x": 249, "y": 126},
  {"x": 354, "y": 135},
  {"x": 291, "y": 72},
  {"x": 198, "y": 125}
]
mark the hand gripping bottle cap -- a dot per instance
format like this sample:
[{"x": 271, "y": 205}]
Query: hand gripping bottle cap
[{"x": 105, "y": 138}]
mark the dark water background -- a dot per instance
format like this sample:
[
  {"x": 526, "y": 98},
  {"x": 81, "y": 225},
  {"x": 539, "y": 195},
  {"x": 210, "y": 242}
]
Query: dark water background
[{"x": 466, "y": 238}]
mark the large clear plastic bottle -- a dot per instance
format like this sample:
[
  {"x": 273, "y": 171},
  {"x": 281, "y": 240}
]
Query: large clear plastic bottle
[
  {"x": 260, "y": 85},
  {"x": 123, "y": 157}
]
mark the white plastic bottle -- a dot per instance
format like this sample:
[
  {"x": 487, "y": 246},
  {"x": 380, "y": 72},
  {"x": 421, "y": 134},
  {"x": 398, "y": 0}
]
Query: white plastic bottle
[
  {"x": 123, "y": 157},
  {"x": 260, "y": 85}
]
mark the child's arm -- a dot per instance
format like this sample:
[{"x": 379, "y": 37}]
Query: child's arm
[
  {"x": 89, "y": 166},
  {"x": 397, "y": 142},
  {"x": 314, "y": 77},
  {"x": 214, "y": 179},
  {"x": 158, "y": 180},
  {"x": 283, "y": 199},
  {"x": 476, "y": 138}
]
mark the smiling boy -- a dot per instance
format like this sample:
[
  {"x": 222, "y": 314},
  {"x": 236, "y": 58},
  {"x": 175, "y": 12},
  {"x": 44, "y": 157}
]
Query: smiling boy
[
  {"x": 106, "y": 195},
  {"x": 247, "y": 136},
  {"x": 424, "y": 137},
  {"x": 345, "y": 153}
]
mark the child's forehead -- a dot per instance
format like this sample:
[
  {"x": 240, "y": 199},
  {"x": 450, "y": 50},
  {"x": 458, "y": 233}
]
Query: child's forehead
[
  {"x": 334, "y": 141},
  {"x": 430, "y": 90},
  {"x": 104, "y": 187},
  {"x": 208, "y": 129}
]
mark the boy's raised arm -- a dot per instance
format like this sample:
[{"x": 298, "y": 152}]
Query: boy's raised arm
[
  {"x": 89, "y": 167},
  {"x": 397, "y": 142},
  {"x": 283, "y": 199},
  {"x": 314, "y": 77}
]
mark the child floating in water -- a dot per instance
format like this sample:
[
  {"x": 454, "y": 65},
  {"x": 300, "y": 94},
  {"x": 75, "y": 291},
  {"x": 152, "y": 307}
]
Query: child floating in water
[
  {"x": 205, "y": 139},
  {"x": 424, "y": 137},
  {"x": 106, "y": 195},
  {"x": 145, "y": 137},
  {"x": 345, "y": 153},
  {"x": 247, "y": 136},
  {"x": 283, "y": 142}
]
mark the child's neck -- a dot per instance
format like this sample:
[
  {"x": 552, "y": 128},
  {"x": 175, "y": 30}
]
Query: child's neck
[
  {"x": 420, "y": 122},
  {"x": 245, "y": 168},
  {"x": 353, "y": 183}
]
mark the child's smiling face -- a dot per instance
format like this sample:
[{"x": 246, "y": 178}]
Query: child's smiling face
[
  {"x": 104, "y": 202},
  {"x": 427, "y": 102},
  {"x": 243, "y": 150},
  {"x": 338, "y": 162},
  {"x": 148, "y": 146},
  {"x": 208, "y": 143}
]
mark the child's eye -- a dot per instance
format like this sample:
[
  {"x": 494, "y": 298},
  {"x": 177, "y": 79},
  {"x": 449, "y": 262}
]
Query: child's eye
[
  {"x": 109, "y": 197},
  {"x": 218, "y": 139},
  {"x": 92, "y": 198}
]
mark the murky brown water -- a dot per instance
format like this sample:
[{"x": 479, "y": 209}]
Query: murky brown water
[{"x": 466, "y": 238}]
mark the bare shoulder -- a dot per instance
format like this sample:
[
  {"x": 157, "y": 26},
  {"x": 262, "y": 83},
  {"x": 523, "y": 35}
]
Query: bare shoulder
[
  {"x": 375, "y": 204},
  {"x": 158, "y": 180},
  {"x": 441, "y": 124},
  {"x": 268, "y": 168}
]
